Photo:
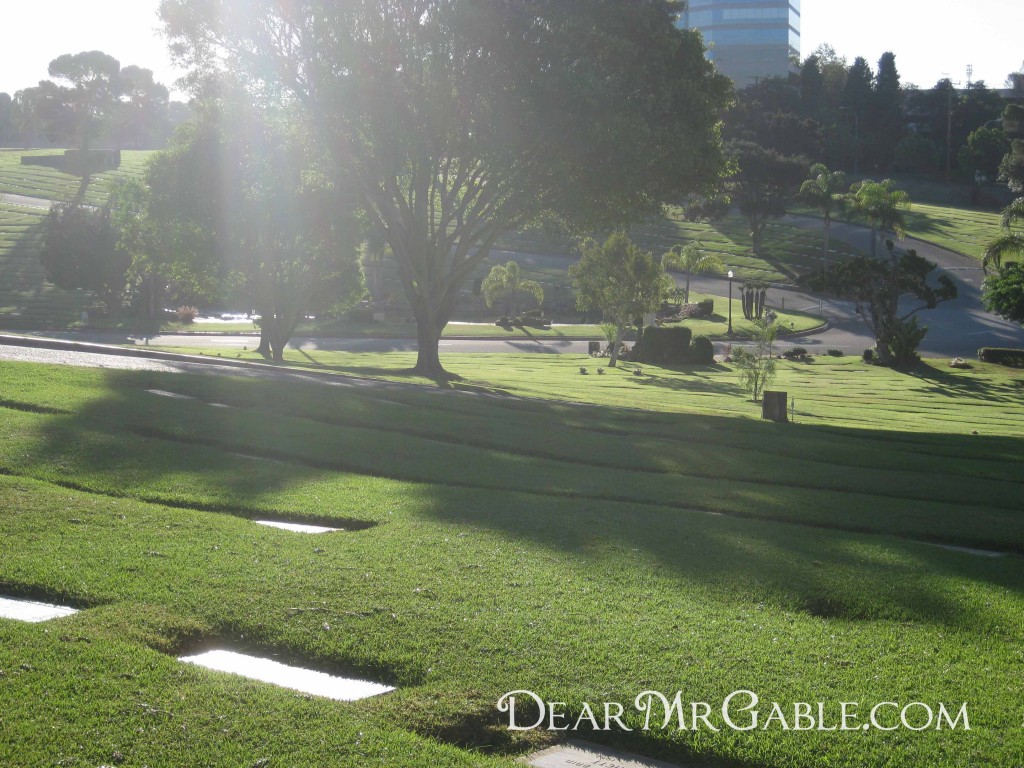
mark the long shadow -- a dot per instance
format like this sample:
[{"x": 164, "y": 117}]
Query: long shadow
[
  {"x": 36, "y": 303},
  {"x": 813, "y": 567},
  {"x": 949, "y": 384}
]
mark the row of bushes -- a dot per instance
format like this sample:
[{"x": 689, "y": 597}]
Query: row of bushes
[
  {"x": 673, "y": 346},
  {"x": 1002, "y": 356}
]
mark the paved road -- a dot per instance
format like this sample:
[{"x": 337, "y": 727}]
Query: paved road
[
  {"x": 230, "y": 343},
  {"x": 26, "y": 202},
  {"x": 957, "y": 327}
]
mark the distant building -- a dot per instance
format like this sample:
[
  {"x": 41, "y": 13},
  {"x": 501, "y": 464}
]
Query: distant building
[{"x": 749, "y": 40}]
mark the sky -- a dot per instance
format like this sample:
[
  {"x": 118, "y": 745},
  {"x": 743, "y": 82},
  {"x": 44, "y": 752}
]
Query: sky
[{"x": 929, "y": 42}]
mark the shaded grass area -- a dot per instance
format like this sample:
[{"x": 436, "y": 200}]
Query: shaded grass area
[
  {"x": 829, "y": 391},
  {"x": 963, "y": 230},
  {"x": 519, "y": 544}
]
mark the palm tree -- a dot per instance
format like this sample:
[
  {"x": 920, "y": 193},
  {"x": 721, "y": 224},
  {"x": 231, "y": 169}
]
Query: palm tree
[
  {"x": 505, "y": 282},
  {"x": 882, "y": 205},
  {"x": 822, "y": 190},
  {"x": 691, "y": 260},
  {"x": 1012, "y": 241}
]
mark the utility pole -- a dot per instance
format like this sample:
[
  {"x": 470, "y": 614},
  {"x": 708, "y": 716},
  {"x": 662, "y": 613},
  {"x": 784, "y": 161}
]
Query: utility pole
[{"x": 949, "y": 121}]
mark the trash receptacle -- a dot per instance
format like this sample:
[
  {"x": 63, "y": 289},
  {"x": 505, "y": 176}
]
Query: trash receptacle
[{"x": 774, "y": 406}]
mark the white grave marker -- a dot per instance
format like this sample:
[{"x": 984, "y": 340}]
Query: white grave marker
[
  {"x": 578, "y": 754},
  {"x": 299, "y": 679},
  {"x": 27, "y": 610}
]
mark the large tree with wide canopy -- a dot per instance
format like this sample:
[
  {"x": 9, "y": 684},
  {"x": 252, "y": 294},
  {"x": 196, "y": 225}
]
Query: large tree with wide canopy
[{"x": 458, "y": 120}]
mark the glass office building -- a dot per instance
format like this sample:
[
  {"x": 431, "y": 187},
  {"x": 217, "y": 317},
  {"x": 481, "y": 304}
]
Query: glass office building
[{"x": 749, "y": 40}]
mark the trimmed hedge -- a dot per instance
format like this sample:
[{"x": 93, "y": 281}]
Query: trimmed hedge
[
  {"x": 664, "y": 346},
  {"x": 660, "y": 345},
  {"x": 702, "y": 351},
  {"x": 1002, "y": 356}
]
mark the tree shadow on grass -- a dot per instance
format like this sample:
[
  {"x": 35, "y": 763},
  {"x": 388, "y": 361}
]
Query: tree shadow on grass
[
  {"x": 953, "y": 383},
  {"x": 799, "y": 546}
]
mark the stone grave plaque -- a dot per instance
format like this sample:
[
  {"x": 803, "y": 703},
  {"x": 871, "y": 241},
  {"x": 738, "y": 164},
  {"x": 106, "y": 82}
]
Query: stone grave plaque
[
  {"x": 28, "y": 610},
  {"x": 274, "y": 672},
  {"x": 579, "y": 754}
]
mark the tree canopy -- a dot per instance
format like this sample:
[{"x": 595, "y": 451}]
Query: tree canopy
[
  {"x": 763, "y": 185},
  {"x": 691, "y": 260},
  {"x": 619, "y": 279},
  {"x": 822, "y": 189},
  {"x": 876, "y": 285},
  {"x": 457, "y": 120},
  {"x": 881, "y": 204},
  {"x": 238, "y": 204},
  {"x": 505, "y": 281}
]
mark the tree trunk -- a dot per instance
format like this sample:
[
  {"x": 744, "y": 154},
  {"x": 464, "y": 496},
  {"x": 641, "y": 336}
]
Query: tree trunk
[
  {"x": 266, "y": 318},
  {"x": 428, "y": 334},
  {"x": 686, "y": 292},
  {"x": 874, "y": 242},
  {"x": 151, "y": 290},
  {"x": 755, "y": 239},
  {"x": 828, "y": 239},
  {"x": 615, "y": 346}
]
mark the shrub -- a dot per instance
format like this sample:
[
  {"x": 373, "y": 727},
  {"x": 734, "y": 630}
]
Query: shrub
[
  {"x": 869, "y": 355},
  {"x": 186, "y": 314},
  {"x": 664, "y": 346},
  {"x": 702, "y": 351},
  {"x": 704, "y": 308},
  {"x": 1002, "y": 356},
  {"x": 361, "y": 313},
  {"x": 835, "y": 353},
  {"x": 794, "y": 352},
  {"x": 757, "y": 367}
]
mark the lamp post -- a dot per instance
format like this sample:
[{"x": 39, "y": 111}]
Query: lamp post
[{"x": 730, "y": 304}]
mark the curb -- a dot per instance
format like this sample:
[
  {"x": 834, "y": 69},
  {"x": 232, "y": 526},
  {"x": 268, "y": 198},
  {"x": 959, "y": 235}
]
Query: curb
[{"x": 61, "y": 345}]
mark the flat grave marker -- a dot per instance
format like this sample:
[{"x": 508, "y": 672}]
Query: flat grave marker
[
  {"x": 579, "y": 754},
  {"x": 274, "y": 672},
  {"x": 297, "y": 527},
  {"x": 29, "y": 610}
]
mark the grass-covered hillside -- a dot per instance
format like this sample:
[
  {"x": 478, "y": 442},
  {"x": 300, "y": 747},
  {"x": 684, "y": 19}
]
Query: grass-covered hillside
[
  {"x": 26, "y": 299},
  {"x": 585, "y": 552}
]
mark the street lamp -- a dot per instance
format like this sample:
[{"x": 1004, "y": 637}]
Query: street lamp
[{"x": 730, "y": 304}]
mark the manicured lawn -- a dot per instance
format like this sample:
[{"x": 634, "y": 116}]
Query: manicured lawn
[
  {"x": 49, "y": 183},
  {"x": 512, "y": 544},
  {"x": 965, "y": 231}
]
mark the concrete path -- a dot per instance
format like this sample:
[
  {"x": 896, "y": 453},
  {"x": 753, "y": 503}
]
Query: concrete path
[{"x": 25, "y": 201}]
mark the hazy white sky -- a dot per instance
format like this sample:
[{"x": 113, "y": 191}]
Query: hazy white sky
[{"x": 928, "y": 38}]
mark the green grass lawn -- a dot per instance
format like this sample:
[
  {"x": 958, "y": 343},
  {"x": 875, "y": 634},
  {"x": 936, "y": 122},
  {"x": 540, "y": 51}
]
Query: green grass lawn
[
  {"x": 964, "y": 230},
  {"x": 663, "y": 539},
  {"x": 49, "y": 183}
]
